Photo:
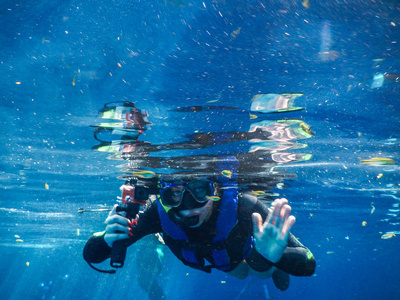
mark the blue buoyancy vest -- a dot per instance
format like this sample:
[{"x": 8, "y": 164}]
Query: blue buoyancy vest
[{"x": 227, "y": 219}]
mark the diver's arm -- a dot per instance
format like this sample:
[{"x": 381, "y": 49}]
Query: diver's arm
[
  {"x": 98, "y": 247},
  {"x": 297, "y": 259},
  {"x": 271, "y": 236}
]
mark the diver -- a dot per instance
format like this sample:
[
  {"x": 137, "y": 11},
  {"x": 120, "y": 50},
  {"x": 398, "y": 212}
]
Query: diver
[{"x": 209, "y": 224}]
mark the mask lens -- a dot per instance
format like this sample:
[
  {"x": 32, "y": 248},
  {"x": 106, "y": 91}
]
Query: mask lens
[
  {"x": 200, "y": 189},
  {"x": 172, "y": 195}
]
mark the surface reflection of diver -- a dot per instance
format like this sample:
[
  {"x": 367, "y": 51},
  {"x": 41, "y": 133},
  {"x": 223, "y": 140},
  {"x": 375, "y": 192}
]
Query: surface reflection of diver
[
  {"x": 268, "y": 135},
  {"x": 381, "y": 79}
]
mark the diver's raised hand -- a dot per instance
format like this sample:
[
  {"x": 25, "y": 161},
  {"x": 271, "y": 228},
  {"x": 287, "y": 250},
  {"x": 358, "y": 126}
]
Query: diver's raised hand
[
  {"x": 117, "y": 227},
  {"x": 271, "y": 236}
]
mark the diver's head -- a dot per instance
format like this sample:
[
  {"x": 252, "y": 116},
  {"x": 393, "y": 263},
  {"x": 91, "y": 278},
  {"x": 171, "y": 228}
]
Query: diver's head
[{"x": 188, "y": 204}]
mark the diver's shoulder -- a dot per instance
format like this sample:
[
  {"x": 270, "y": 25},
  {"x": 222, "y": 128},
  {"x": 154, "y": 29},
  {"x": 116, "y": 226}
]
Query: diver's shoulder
[{"x": 247, "y": 200}]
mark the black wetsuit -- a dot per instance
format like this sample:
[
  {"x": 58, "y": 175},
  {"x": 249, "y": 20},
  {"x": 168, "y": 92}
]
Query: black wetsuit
[{"x": 297, "y": 260}]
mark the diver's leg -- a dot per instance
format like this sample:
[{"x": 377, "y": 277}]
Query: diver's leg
[
  {"x": 262, "y": 268},
  {"x": 241, "y": 271},
  {"x": 281, "y": 279},
  {"x": 149, "y": 267}
]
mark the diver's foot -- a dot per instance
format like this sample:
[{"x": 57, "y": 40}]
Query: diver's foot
[{"x": 281, "y": 280}]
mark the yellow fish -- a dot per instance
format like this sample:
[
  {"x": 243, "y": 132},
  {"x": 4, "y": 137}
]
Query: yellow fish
[
  {"x": 378, "y": 161},
  {"x": 388, "y": 235},
  {"x": 227, "y": 173},
  {"x": 213, "y": 198},
  {"x": 144, "y": 174},
  {"x": 258, "y": 193},
  {"x": 253, "y": 116},
  {"x": 364, "y": 223},
  {"x": 46, "y": 186}
]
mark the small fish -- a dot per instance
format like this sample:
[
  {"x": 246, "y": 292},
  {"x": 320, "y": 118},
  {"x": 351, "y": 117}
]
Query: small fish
[
  {"x": 17, "y": 236},
  {"x": 373, "y": 208},
  {"x": 364, "y": 223},
  {"x": 306, "y": 128},
  {"x": 388, "y": 235},
  {"x": 258, "y": 193},
  {"x": 73, "y": 81},
  {"x": 19, "y": 240},
  {"x": 253, "y": 116},
  {"x": 46, "y": 186},
  {"x": 235, "y": 33},
  {"x": 144, "y": 174},
  {"x": 27, "y": 263},
  {"x": 213, "y": 198},
  {"x": 227, "y": 173},
  {"x": 306, "y": 4},
  {"x": 378, "y": 161}
]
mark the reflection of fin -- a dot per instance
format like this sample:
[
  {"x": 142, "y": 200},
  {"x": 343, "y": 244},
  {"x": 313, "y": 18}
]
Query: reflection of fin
[
  {"x": 266, "y": 293},
  {"x": 378, "y": 81},
  {"x": 272, "y": 103},
  {"x": 197, "y": 108},
  {"x": 243, "y": 290}
]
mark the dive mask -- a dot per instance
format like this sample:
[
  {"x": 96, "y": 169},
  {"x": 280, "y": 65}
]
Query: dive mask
[{"x": 172, "y": 192}]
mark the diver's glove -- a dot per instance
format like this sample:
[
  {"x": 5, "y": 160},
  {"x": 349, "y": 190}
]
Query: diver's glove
[{"x": 271, "y": 236}]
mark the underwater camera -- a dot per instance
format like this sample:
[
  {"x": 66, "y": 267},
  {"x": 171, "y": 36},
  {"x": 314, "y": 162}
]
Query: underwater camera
[{"x": 141, "y": 191}]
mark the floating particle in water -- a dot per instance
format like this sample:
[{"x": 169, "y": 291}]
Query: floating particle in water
[
  {"x": 73, "y": 81},
  {"x": 364, "y": 223},
  {"x": 379, "y": 175},
  {"x": 19, "y": 240},
  {"x": 46, "y": 186},
  {"x": 388, "y": 235},
  {"x": 17, "y": 236},
  {"x": 27, "y": 263}
]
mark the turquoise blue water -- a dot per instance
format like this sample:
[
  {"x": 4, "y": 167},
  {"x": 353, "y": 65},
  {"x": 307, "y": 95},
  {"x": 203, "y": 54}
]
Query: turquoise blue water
[{"x": 61, "y": 61}]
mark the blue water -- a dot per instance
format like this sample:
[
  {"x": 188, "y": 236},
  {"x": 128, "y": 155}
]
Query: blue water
[{"x": 61, "y": 61}]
